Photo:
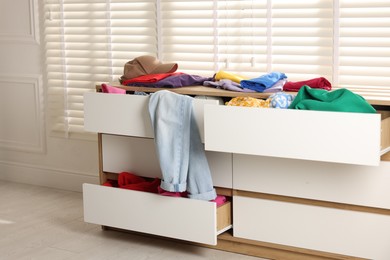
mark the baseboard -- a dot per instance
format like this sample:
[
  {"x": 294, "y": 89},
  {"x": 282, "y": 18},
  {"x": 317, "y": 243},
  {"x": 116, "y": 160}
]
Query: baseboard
[{"x": 44, "y": 176}]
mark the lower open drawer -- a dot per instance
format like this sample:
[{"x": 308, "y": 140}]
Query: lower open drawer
[{"x": 180, "y": 218}]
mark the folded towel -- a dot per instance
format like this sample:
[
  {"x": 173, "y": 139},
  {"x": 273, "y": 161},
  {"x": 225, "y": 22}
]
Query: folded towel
[
  {"x": 263, "y": 82},
  {"x": 321, "y": 82}
]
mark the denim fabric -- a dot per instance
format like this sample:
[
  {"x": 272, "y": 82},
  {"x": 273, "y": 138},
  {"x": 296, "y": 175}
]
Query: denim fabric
[{"x": 179, "y": 149}]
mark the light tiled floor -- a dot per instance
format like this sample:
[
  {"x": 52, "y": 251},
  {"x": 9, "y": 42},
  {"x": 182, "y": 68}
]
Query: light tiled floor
[{"x": 43, "y": 223}]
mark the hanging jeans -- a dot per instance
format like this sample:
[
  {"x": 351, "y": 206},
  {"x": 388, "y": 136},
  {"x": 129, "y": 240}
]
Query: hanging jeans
[{"x": 179, "y": 149}]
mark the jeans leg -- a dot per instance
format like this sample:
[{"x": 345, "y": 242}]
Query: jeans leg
[
  {"x": 199, "y": 181},
  {"x": 181, "y": 154},
  {"x": 170, "y": 117}
]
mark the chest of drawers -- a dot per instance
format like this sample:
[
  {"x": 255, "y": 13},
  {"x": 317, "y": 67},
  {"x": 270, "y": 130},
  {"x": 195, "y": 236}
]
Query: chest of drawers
[{"x": 300, "y": 183}]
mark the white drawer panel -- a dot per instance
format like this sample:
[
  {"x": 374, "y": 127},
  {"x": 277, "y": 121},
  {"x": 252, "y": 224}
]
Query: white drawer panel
[
  {"x": 181, "y": 218},
  {"x": 344, "y": 232},
  {"x": 221, "y": 169},
  {"x": 344, "y": 183},
  {"x": 138, "y": 155},
  {"x": 130, "y": 154},
  {"x": 126, "y": 114},
  {"x": 117, "y": 114},
  {"x": 310, "y": 135}
]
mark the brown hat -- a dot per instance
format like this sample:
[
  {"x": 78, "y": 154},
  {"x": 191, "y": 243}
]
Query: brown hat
[{"x": 144, "y": 65}]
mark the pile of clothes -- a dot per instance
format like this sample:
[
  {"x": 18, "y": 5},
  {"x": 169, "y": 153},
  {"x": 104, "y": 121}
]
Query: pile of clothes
[
  {"x": 268, "y": 83},
  {"x": 312, "y": 94},
  {"x": 148, "y": 71},
  {"x": 307, "y": 98}
]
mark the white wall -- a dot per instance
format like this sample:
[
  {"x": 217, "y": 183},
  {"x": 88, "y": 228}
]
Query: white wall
[{"x": 28, "y": 153}]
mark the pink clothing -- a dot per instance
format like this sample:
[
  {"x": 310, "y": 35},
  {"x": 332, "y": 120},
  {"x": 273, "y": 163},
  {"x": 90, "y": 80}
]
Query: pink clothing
[
  {"x": 114, "y": 90},
  {"x": 163, "y": 192},
  {"x": 130, "y": 181},
  {"x": 220, "y": 200}
]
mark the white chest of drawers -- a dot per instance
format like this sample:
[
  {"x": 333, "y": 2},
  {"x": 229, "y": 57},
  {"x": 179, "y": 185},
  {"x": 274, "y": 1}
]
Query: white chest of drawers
[{"x": 304, "y": 183}]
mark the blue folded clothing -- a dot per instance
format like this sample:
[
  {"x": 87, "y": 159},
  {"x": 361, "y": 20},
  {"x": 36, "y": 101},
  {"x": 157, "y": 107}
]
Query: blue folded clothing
[{"x": 263, "y": 82}]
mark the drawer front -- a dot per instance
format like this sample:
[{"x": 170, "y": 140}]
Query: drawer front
[
  {"x": 138, "y": 155},
  {"x": 130, "y": 154},
  {"x": 343, "y": 232},
  {"x": 310, "y": 135},
  {"x": 344, "y": 183},
  {"x": 117, "y": 114},
  {"x": 180, "y": 218},
  {"x": 127, "y": 114}
]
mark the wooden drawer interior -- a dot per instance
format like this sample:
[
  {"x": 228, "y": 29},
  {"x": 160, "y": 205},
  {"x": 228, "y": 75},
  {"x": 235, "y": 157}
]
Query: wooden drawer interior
[
  {"x": 224, "y": 217},
  {"x": 385, "y": 135}
]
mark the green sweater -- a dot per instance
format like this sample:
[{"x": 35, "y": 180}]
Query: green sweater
[{"x": 342, "y": 100}]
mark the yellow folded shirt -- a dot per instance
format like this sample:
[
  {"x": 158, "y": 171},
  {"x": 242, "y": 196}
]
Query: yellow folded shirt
[
  {"x": 227, "y": 75},
  {"x": 248, "y": 102}
]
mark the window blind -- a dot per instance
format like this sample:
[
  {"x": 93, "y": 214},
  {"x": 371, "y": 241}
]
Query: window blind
[
  {"x": 364, "y": 47},
  {"x": 242, "y": 37},
  {"x": 302, "y": 38},
  {"x": 206, "y": 36},
  {"x": 88, "y": 42},
  {"x": 187, "y": 35}
]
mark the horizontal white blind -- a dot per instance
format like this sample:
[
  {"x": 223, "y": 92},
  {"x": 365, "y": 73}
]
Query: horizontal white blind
[
  {"x": 242, "y": 37},
  {"x": 302, "y": 38},
  {"x": 187, "y": 35},
  {"x": 88, "y": 42},
  {"x": 205, "y": 36},
  {"x": 131, "y": 30},
  {"x": 364, "y": 51}
]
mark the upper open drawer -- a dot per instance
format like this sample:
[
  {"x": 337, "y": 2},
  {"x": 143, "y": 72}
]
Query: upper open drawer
[
  {"x": 340, "y": 137},
  {"x": 126, "y": 114}
]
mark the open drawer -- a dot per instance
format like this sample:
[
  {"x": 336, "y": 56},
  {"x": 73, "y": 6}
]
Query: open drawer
[
  {"x": 340, "y": 137},
  {"x": 180, "y": 218},
  {"x": 126, "y": 114}
]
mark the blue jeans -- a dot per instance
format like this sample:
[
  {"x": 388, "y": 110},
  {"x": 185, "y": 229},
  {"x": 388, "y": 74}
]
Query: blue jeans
[{"x": 179, "y": 149}]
